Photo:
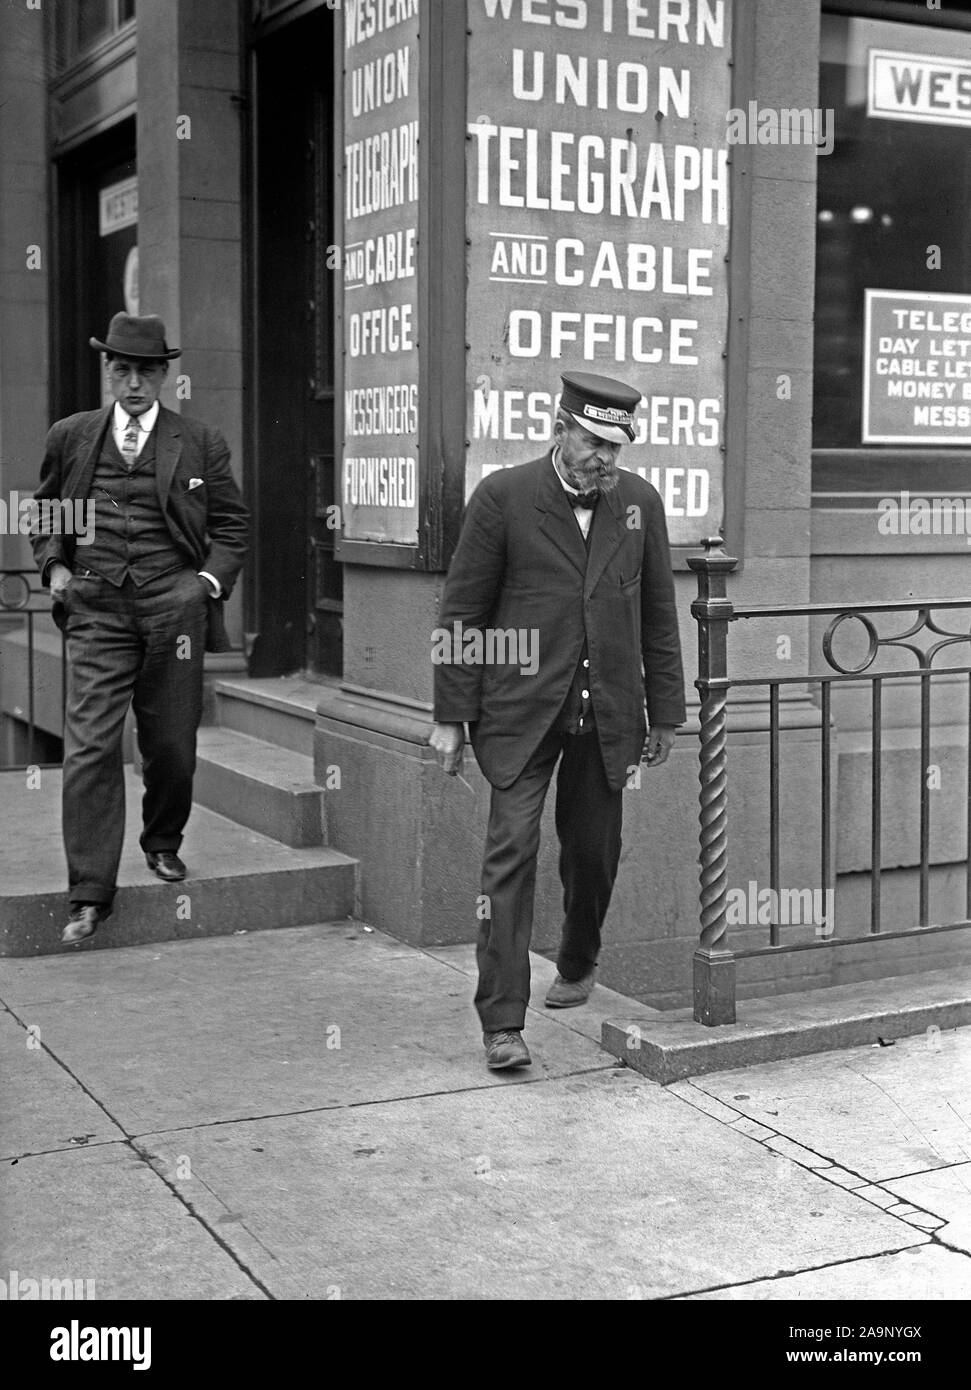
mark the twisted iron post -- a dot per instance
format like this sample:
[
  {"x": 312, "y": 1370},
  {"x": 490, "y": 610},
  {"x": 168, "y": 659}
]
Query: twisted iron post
[{"x": 714, "y": 963}]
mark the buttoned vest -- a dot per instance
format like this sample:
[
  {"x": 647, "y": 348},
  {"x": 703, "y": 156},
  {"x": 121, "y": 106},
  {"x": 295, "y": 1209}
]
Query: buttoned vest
[
  {"x": 131, "y": 538},
  {"x": 577, "y": 715}
]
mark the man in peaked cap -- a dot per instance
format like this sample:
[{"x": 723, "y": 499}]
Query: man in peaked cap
[
  {"x": 571, "y": 553},
  {"x": 139, "y": 596}
]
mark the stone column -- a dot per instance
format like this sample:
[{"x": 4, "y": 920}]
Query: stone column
[
  {"x": 190, "y": 208},
  {"x": 24, "y": 262}
]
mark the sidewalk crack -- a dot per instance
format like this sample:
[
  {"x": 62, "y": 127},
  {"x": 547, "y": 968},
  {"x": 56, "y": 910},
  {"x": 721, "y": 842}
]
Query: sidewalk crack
[
  {"x": 874, "y": 1183},
  {"x": 129, "y": 1143},
  {"x": 789, "y": 1273},
  {"x": 380, "y": 1100}
]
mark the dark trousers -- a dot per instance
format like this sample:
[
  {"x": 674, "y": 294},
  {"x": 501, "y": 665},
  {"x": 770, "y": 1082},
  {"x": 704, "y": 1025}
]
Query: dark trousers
[
  {"x": 588, "y": 824},
  {"x": 125, "y": 646}
]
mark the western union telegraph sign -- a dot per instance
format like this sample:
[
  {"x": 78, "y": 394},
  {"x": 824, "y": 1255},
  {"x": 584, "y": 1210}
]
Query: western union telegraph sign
[{"x": 598, "y": 209}]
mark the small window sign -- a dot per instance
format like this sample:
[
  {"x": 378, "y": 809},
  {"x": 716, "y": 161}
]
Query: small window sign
[
  {"x": 918, "y": 87},
  {"x": 118, "y": 206},
  {"x": 917, "y": 368}
]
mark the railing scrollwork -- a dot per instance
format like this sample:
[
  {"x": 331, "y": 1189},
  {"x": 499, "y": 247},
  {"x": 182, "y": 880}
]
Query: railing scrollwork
[{"x": 714, "y": 959}]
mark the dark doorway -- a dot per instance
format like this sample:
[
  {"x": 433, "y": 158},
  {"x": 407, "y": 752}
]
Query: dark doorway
[
  {"x": 296, "y": 583},
  {"x": 96, "y": 250}
]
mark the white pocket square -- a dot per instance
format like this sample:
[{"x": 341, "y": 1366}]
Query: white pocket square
[{"x": 195, "y": 482}]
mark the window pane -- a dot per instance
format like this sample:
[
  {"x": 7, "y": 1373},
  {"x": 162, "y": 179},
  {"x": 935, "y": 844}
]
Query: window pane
[
  {"x": 64, "y": 20},
  {"x": 893, "y": 188},
  {"x": 94, "y": 21},
  {"x": 126, "y": 11}
]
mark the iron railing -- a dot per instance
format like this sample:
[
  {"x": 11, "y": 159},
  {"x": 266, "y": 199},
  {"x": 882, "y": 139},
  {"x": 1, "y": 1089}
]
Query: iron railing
[
  {"x": 22, "y": 595},
  {"x": 714, "y": 959}
]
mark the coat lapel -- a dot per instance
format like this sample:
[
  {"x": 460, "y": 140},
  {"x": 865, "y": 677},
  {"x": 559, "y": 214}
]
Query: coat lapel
[
  {"x": 78, "y": 483},
  {"x": 558, "y": 521},
  {"x": 168, "y": 451},
  {"x": 606, "y": 533},
  {"x": 168, "y": 448}
]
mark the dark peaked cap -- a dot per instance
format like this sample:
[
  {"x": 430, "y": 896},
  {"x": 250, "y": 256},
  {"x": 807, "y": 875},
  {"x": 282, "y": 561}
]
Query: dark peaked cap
[{"x": 601, "y": 405}]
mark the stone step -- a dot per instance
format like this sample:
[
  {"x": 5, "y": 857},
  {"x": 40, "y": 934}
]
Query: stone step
[
  {"x": 280, "y": 710},
  {"x": 239, "y": 880},
  {"x": 670, "y": 1046},
  {"x": 260, "y": 785}
]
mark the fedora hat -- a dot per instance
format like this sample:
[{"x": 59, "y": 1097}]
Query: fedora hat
[{"x": 129, "y": 336}]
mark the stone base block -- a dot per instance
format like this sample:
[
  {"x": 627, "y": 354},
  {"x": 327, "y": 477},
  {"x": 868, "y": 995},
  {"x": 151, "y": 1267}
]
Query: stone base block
[{"x": 673, "y": 1047}]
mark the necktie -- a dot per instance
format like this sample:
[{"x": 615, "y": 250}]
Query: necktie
[
  {"x": 129, "y": 445},
  {"x": 582, "y": 499}
]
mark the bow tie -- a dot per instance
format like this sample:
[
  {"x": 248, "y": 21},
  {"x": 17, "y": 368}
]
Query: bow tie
[{"x": 582, "y": 499}]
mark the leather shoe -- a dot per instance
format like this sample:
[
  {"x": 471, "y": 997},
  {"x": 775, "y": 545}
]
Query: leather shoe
[
  {"x": 166, "y": 864},
  {"x": 506, "y": 1049},
  {"x": 83, "y": 922},
  {"x": 568, "y": 994}
]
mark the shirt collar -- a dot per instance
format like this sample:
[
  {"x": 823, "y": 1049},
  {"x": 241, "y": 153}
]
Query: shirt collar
[
  {"x": 563, "y": 483},
  {"x": 145, "y": 422}
]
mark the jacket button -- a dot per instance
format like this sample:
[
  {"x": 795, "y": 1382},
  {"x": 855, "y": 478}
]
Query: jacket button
[{"x": 585, "y": 694}]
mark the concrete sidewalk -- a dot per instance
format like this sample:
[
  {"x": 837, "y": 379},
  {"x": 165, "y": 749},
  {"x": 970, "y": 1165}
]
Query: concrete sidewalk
[{"x": 305, "y": 1113}]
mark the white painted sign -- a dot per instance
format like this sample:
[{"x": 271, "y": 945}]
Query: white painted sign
[
  {"x": 118, "y": 206},
  {"x": 918, "y": 87},
  {"x": 598, "y": 223},
  {"x": 379, "y": 468}
]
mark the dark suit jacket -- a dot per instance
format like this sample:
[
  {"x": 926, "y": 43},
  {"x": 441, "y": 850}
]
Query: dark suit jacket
[
  {"x": 521, "y": 563},
  {"x": 208, "y": 522}
]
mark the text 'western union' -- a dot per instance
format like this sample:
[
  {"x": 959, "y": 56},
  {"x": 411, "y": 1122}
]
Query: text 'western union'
[
  {"x": 363, "y": 19},
  {"x": 670, "y": 21},
  {"x": 382, "y": 171}
]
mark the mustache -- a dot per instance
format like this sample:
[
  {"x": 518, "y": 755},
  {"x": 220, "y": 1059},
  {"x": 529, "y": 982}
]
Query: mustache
[
  {"x": 607, "y": 480},
  {"x": 599, "y": 477}
]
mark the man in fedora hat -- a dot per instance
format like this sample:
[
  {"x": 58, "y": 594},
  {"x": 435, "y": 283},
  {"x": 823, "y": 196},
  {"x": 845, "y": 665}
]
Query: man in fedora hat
[
  {"x": 570, "y": 554},
  {"x": 139, "y": 596}
]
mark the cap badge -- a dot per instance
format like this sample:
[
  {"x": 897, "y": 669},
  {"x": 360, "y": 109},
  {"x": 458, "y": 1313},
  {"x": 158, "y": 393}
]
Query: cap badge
[{"x": 608, "y": 415}]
